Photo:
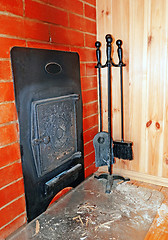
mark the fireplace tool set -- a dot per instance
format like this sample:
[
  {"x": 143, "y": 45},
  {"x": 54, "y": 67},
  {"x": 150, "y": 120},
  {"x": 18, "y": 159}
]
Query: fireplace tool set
[{"x": 105, "y": 148}]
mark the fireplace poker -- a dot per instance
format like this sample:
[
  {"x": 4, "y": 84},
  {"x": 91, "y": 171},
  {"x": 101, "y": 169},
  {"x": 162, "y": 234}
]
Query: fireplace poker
[{"x": 108, "y": 63}]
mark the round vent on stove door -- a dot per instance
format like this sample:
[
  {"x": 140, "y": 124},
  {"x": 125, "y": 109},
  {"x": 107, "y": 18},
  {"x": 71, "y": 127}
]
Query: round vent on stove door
[{"x": 53, "y": 68}]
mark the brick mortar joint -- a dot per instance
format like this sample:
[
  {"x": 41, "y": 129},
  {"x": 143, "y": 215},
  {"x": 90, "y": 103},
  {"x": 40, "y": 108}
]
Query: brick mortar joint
[
  {"x": 16, "y": 161},
  {"x": 7, "y": 102},
  {"x": 90, "y": 165},
  {"x": 9, "y": 144},
  {"x": 14, "y": 200},
  {"x": 90, "y": 89},
  {"x": 89, "y": 154},
  {"x": 50, "y": 43},
  {"x": 87, "y": 143},
  {"x": 87, "y": 3},
  {"x": 43, "y": 21},
  {"x": 92, "y": 115},
  {"x": 17, "y": 180},
  {"x": 9, "y": 123},
  {"x": 96, "y": 125},
  {"x": 23, "y": 213},
  {"x": 10, "y": 14},
  {"x": 92, "y": 102},
  {"x": 68, "y": 11}
]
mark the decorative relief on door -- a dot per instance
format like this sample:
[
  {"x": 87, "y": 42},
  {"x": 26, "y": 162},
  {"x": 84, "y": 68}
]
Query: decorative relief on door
[{"x": 54, "y": 132}]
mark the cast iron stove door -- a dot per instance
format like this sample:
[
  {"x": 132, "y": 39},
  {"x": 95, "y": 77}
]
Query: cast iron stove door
[
  {"x": 49, "y": 105},
  {"x": 54, "y": 139}
]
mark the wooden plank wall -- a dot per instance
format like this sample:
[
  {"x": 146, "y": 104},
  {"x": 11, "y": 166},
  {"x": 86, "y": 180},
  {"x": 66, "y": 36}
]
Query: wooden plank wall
[{"x": 143, "y": 26}]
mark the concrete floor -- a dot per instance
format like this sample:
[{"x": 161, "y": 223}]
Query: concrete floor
[{"x": 88, "y": 213}]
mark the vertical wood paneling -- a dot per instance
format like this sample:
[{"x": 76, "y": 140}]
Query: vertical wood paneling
[
  {"x": 142, "y": 25},
  {"x": 104, "y": 15},
  {"x": 157, "y": 70},
  {"x": 120, "y": 30},
  {"x": 165, "y": 127},
  {"x": 135, "y": 78}
]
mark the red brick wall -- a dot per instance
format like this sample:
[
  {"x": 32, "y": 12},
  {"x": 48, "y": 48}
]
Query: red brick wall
[{"x": 53, "y": 24}]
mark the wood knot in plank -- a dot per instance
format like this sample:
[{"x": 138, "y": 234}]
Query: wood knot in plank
[
  {"x": 149, "y": 40},
  {"x": 157, "y": 125},
  {"x": 148, "y": 123}
]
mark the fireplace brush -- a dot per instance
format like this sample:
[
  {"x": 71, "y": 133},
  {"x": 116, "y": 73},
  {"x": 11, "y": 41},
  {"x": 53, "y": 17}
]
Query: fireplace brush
[
  {"x": 102, "y": 141},
  {"x": 122, "y": 149}
]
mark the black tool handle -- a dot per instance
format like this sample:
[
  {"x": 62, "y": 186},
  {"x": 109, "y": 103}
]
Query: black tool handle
[
  {"x": 109, "y": 41},
  {"x": 119, "y": 50},
  {"x": 98, "y": 53},
  {"x": 120, "y": 56},
  {"x": 108, "y": 63}
]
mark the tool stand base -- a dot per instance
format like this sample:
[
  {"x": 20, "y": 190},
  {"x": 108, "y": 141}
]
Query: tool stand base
[{"x": 110, "y": 179}]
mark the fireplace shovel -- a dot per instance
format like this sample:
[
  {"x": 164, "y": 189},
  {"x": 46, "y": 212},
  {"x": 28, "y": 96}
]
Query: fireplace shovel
[{"x": 102, "y": 140}]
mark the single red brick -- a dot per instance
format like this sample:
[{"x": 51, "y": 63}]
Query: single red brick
[
  {"x": 60, "y": 47},
  {"x": 93, "y": 2},
  {"x": 36, "y": 30},
  {"x": 90, "y": 41},
  {"x": 61, "y": 35},
  {"x": 74, "y": 6},
  {"x": 88, "y": 83},
  {"x": 82, "y": 69},
  {"x": 89, "y": 159},
  {"x": 11, "y": 211},
  {"x": 86, "y": 55},
  {"x": 15, "y": 6},
  {"x": 8, "y": 134},
  {"x": 90, "y": 122},
  {"x": 33, "y": 44},
  {"x": 13, "y": 226},
  {"x": 13, "y": 26},
  {"x": 89, "y": 134},
  {"x": 5, "y": 70},
  {"x": 10, "y": 173},
  {"x": 9, "y": 154},
  {"x": 8, "y": 113},
  {"x": 88, "y": 148},
  {"x": 11, "y": 192},
  {"x": 90, "y": 12},
  {"x": 6, "y": 45},
  {"x": 45, "y": 13},
  {"x": 46, "y": 1},
  {"x": 90, "y": 69},
  {"x": 24, "y": 28},
  {"x": 89, "y": 96},
  {"x": 60, "y": 194},
  {"x": 6, "y": 91},
  {"x": 90, "y": 170},
  {"x": 82, "y": 24},
  {"x": 90, "y": 109},
  {"x": 50, "y": 46}
]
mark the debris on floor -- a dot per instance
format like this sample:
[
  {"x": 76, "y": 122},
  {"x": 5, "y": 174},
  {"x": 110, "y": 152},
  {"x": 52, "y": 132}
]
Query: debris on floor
[{"x": 88, "y": 213}]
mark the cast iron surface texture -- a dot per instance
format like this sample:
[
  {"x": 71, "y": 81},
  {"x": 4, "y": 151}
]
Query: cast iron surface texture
[
  {"x": 46, "y": 84},
  {"x": 87, "y": 213}
]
